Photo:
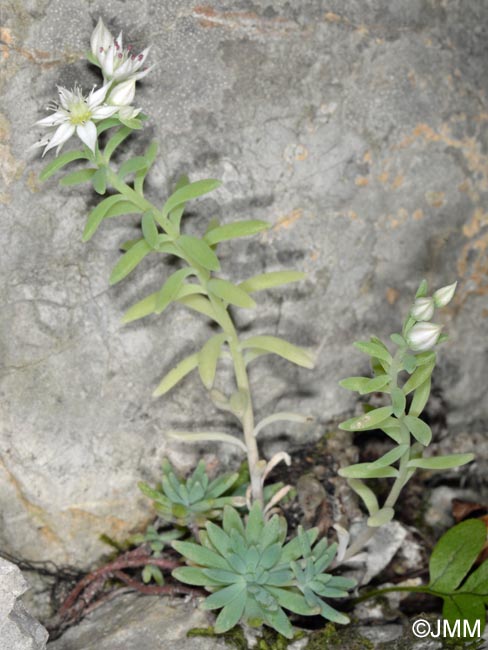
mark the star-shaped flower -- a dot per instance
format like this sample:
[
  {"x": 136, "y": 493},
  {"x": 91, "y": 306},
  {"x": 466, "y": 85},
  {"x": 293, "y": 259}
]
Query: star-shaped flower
[{"x": 76, "y": 113}]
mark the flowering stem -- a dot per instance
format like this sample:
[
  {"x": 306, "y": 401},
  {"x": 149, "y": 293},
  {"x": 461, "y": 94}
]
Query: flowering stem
[
  {"x": 369, "y": 531},
  {"x": 228, "y": 327}
]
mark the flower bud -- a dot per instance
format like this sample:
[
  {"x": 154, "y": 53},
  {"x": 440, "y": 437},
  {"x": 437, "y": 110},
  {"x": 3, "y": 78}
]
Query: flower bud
[
  {"x": 444, "y": 296},
  {"x": 101, "y": 39},
  {"x": 123, "y": 94},
  {"x": 423, "y": 336},
  {"x": 423, "y": 309}
]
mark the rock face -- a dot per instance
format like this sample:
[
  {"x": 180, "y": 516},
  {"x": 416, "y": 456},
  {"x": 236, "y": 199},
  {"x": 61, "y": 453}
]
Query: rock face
[
  {"x": 139, "y": 623},
  {"x": 358, "y": 129},
  {"x": 18, "y": 630}
]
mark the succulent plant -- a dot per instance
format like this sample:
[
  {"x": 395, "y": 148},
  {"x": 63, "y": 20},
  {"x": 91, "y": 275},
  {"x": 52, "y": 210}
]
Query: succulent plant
[
  {"x": 253, "y": 574},
  {"x": 192, "y": 501}
]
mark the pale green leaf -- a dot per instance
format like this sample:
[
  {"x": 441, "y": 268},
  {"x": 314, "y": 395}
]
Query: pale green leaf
[
  {"x": 99, "y": 180},
  {"x": 369, "y": 420},
  {"x": 170, "y": 289},
  {"x": 177, "y": 374},
  {"x": 382, "y": 517},
  {"x": 207, "y": 359},
  {"x": 366, "y": 494},
  {"x": 390, "y": 457},
  {"x": 420, "y": 398},
  {"x": 131, "y": 166},
  {"x": 187, "y": 192},
  {"x": 230, "y": 293},
  {"x": 129, "y": 261},
  {"x": 421, "y": 374},
  {"x": 234, "y": 230},
  {"x": 97, "y": 215},
  {"x": 282, "y": 348},
  {"x": 118, "y": 137},
  {"x": 199, "y": 251},
  {"x": 398, "y": 401},
  {"x": 80, "y": 176},
  {"x": 364, "y": 385},
  {"x": 364, "y": 470},
  {"x": 374, "y": 349},
  {"x": 270, "y": 280},
  {"x": 419, "y": 429},
  {"x": 149, "y": 229},
  {"x": 60, "y": 161},
  {"x": 441, "y": 462}
]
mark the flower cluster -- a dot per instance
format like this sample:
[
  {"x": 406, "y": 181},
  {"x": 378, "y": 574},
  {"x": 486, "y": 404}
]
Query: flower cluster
[
  {"x": 78, "y": 114},
  {"x": 423, "y": 335}
]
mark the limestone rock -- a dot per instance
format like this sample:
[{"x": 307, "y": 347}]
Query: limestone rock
[
  {"x": 136, "y": 622},
  {"x": 18, "y": 629},
  {"x": 357, "y": 129}
]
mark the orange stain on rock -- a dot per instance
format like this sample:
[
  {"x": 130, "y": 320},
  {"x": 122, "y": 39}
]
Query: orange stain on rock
[
  {"x": 418, "y": 214},
  {"x": 392, "y": 295},
  {"x": 361, "y": 181},
  {"x": 289, "y": 219},
  {"x": 398, "y": 181}
]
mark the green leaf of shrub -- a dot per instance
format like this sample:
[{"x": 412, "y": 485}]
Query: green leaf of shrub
[
  {"x": 417, "y": 378},
  {"x": 420, "y": 398},
  {"x": 98, "y": 213}
]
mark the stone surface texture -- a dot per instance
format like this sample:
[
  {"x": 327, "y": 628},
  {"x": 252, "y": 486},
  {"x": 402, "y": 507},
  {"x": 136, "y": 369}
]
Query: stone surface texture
[
  {"x": 133, "y": 622},
  {"x": 18, "y": 629},
  {"x": 358, "y": 129}
]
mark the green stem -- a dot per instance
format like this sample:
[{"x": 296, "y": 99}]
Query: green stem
[
  {"x": 240, "y": 370},
  {"x": 369, "y": 532},
  {"x": 379, "y": 592}
]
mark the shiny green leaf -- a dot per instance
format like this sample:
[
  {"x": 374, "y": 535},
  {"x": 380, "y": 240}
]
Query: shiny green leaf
[
  {"x": 419, "y": 429},
  {"x": 441, "y": 462}
]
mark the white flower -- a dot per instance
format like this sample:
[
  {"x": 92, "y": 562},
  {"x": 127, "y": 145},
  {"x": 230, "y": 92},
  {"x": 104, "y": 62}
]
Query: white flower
[
  {"x": 444, "y": 295},
  {"x": 123, "y": 94},
  {"x": 423, "y": 336},
  {"x": 423, "y": 309},
  {"x": 117, "y": 64},
  {"x": 76, "y": 113}
]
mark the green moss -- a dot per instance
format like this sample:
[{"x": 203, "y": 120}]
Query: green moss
[
  {"x": 235, "y": 638},
  {"x": 344, "y": 638}
]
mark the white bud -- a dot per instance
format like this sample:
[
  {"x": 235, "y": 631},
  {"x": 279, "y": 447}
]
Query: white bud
[
  {"x": 423, "y": 309},
  {"x": 423, "y": 336},
  {"x": 101, "y": 39},
  {"x": 444, "y": 296},
  {"x": 123, "y": 94}
]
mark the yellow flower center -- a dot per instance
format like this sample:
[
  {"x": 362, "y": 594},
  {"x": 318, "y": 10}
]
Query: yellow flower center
[{"x": 79, "y": 113}]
